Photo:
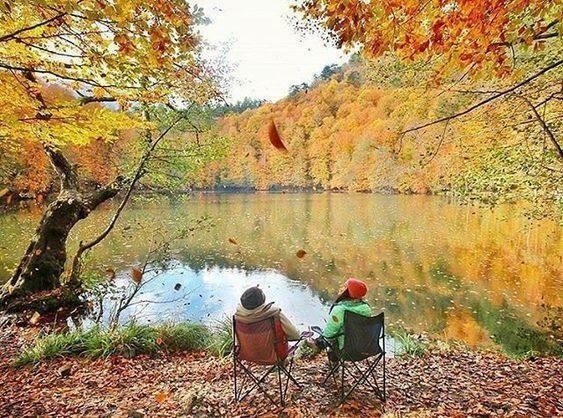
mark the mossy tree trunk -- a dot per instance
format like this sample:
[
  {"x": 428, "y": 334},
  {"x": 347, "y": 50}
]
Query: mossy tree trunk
[{"x": 43, "y": 263}]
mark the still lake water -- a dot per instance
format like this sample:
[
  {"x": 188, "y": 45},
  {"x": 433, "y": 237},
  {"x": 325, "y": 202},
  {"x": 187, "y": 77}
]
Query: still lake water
[{"x": 486, "y": 277}]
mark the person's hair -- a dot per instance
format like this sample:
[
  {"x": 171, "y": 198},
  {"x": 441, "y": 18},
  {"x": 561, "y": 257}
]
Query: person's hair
[
  {"x": 342, "y": 296},
  {"x": 252, "y": 298}
]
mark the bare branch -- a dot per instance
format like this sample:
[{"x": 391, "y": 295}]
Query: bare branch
[
  {"x": 543, "y": 124},
  {"x": 487, "y": 100},
  {"x": 13, "y": 35}
]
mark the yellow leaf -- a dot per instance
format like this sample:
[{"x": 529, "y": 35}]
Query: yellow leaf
[{"x": 35, "y": 318}]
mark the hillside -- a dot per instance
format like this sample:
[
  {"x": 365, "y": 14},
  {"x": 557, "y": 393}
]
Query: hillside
[{"x": 342, "y": 134}]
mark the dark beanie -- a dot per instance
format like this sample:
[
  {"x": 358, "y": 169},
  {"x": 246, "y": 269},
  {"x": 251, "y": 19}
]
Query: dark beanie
[{"x": 252, "y": 298}]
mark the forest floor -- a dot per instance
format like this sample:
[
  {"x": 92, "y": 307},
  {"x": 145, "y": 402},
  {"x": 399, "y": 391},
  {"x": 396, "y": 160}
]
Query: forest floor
[{"x": 447, "y": 382}]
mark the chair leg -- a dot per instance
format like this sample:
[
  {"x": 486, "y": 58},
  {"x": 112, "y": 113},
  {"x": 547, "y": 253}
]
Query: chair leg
[
  {"x": 235, "y": 378},
  {"x": 290, "y": 377},
  {"x": 384, "y": 373},
  {"x": 257, "y": 384},
  {"x": 342, "y": 388},
  {"x": 332, "y": 372},
  {"x": 282, "y": 400}
]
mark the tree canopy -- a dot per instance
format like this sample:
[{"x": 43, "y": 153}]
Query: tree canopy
[{"x": 478, "y": 36}]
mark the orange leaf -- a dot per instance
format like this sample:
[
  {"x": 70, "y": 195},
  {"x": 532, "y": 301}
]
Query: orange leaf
[
  {"x": 110, "y": 272},
  {"x": 159, "y": 341},
  {"x": 301, "y": 253},
  {"x": 233, "y": 241},
  {"x": 161, "y": 397},
  {"x": 136, "y": 275},
  {"x": 275, "y": 137}
]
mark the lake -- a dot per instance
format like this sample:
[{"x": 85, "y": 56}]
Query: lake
[{"x": 482, "y": 276}]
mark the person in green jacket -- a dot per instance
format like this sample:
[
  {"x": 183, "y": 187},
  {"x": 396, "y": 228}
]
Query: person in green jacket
[{"x": 351, "y": 299}]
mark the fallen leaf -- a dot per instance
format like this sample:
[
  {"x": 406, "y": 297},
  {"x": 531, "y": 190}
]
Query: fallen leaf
[
  {"x": 161, "y": 397},
  {"x": 3, "y": 192},
  {"x": 35, "y": 318},
  {"x": 233, "y": 241},
  {"x": 177, "y": 286},
  {"x": 301, "y": 253},
  {"x": 136, "y": 275}
]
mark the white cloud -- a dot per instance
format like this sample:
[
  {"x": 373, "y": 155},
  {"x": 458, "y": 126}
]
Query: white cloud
[{"x": 266, "y": 52}]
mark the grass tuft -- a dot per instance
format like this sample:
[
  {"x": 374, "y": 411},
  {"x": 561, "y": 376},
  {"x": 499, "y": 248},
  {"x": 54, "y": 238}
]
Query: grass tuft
[
  {"x": 409, "y": 345},
  {"x": 221, "y": 342},
  {"x": 128, "y": 340}
]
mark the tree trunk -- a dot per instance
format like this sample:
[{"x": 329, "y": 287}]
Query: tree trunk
[{"x": 44, "y": 261}]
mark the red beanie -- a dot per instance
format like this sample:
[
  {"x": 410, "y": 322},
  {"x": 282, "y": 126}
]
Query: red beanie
[{"x": 356, "y": 288}]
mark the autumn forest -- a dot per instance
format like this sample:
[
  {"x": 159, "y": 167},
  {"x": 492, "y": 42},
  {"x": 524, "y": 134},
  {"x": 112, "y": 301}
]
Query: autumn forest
[{"x": 159, "y": 157}]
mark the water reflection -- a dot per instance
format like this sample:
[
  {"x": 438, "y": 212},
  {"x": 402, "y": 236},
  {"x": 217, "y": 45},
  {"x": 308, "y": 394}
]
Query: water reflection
[
  {"x": 211, "y": 294},
  {"x": 480, "y": 275}
]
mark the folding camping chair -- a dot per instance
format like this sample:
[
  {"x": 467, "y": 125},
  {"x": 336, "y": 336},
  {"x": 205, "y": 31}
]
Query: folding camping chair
[
  {"x": 361, "y": 348},
  {"x": 262, "y": 343}
]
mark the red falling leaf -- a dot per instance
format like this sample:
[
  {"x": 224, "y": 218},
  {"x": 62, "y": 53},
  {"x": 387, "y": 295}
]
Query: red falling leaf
[
  {"x": 136, "y": 275},
  {"x": 275, "y": 137},
  {"x": 233, "y": 241},
  {"x": 110, "y": 272},
  {"x": 301, "y": 253}
]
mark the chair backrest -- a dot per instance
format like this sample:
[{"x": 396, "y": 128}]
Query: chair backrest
[
  {"x": 262, "y": 342},
  {"x": 362, "y": 335}
]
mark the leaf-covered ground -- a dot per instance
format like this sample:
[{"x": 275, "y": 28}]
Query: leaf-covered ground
[{"x": 440, "y": 383}]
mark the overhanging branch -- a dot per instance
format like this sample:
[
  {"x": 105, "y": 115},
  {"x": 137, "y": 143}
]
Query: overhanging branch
[{"x": 487, "y": 100}]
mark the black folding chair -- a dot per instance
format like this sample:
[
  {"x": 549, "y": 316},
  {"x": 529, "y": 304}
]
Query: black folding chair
[
  {"x": 360, "y": 355},
  {"x": 262, "y": 344}
]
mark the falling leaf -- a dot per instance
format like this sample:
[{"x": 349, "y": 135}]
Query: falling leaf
[
  {"x": 111, "y": 273},
  {"x": 35, "y": 318},
  {"x": 233, "y": 241},
  {"x": 136, "y": 275},
  {"x": 161, "y": 397},
  {"x": 158, "y": 341},
  {"x": 301, "y": 253},
  {"x": 275, "y": 137}
]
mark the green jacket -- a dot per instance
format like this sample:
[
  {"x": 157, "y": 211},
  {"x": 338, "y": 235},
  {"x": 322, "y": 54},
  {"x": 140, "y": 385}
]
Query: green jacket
[{"x": 335, "y": 325}]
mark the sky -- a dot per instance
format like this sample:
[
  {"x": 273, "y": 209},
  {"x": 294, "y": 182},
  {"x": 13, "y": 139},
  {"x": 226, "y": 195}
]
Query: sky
[{"x": 263, "y": 51}]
